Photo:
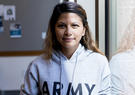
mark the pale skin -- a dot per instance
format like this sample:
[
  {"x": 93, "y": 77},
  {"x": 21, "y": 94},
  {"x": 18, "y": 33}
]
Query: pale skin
[{"x": 69, "y": 31}]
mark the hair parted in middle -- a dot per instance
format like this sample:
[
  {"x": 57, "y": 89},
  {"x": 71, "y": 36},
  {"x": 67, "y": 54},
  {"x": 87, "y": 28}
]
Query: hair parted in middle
[{"x": 51, "y": 42}]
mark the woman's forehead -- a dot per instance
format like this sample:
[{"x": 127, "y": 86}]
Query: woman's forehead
[{"x": 69, "y": 15}]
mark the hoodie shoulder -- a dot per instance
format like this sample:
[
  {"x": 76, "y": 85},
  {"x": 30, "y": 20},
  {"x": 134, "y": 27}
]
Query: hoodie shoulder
[
  {"x": 39, "y": 61},
  {"x": 96, "y": 55},
  {"x": 96, "y": 58}
]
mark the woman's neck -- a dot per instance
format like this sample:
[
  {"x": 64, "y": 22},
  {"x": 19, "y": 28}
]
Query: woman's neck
[{"x": 68, "y": 52}]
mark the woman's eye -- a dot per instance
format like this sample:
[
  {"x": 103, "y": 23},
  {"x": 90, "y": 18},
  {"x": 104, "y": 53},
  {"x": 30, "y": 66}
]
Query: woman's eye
[
  {"x": 75, "y": 25},
  {"x": 61, "y": 26}
]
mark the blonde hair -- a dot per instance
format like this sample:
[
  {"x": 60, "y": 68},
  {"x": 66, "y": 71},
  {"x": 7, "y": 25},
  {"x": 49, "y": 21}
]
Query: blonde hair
[{"x": 128, "y": 40}]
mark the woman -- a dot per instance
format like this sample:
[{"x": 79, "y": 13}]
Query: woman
[
  {"x": 122, "y": 64},
  {"x": 71, "y": 63}
]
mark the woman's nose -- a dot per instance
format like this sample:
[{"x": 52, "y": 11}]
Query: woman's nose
[{"x": 68, "y": 31}]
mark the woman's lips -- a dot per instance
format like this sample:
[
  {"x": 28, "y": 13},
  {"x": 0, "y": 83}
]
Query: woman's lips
[{"x": 68, "y": 39}]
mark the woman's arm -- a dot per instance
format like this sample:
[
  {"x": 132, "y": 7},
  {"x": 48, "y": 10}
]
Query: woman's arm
[{"x": 30, "y": 86}]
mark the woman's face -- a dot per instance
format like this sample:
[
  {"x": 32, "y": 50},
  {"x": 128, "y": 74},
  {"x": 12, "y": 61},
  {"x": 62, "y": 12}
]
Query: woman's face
[{"x": 69, "y": 30}]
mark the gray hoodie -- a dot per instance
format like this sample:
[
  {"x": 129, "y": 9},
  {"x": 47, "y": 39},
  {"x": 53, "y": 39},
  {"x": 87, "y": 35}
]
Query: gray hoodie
[
  {"x": 122, "y": 66},
  {"x": 85, "y": 73}
]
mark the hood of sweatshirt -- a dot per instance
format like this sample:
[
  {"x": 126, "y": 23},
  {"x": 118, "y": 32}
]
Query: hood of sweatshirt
[{"x": 80, "y": 52}]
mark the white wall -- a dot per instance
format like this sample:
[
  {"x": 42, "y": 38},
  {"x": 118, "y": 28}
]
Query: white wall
[
  {"x": 12, "y": 71},
  {"x": 89, "y": 6},
  {"x": 113, "y": 27},
  {"x": 102, "y": 25}
]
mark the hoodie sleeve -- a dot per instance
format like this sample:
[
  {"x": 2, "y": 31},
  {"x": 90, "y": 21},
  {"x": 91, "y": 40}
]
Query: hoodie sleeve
[
  {"x": 30, "y": 86},
  {"x": 117, "y": 82},
  {"x": 105, "y": 88}
]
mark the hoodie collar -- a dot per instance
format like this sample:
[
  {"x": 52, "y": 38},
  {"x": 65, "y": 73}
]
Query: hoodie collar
[{"x": 60, "y": 56}]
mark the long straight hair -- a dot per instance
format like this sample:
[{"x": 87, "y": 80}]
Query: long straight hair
[
  {"x": 127, "y": 41},
  {"x": 51, "y": 42}
]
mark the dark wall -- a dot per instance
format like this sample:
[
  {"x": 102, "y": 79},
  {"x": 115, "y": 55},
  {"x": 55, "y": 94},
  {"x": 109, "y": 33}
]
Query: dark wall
[{"x": 33, "y": 15}]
